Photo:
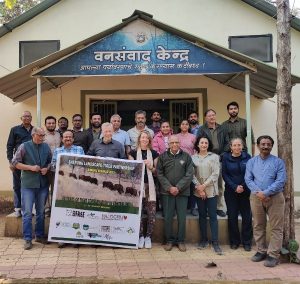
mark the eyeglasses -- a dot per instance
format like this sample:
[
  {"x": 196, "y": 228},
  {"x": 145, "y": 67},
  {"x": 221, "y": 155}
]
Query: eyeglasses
[
  {"x": 173, "y": 142},
  {"x": 40, "y": 135}
]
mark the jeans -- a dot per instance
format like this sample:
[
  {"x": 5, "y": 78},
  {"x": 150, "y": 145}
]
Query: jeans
[
  {"x": 17, "y": 188},
  {"x": 208, "y": 205},
  {"x": 192, "y": 198},
  {"x": 29, "y": 197}
]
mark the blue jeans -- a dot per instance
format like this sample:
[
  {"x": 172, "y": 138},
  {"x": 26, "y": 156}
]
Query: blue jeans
[
  {"x": 29, "y": 197},
  {"x": 17, "y": 188},
  {"x": 208, "y": 206}
]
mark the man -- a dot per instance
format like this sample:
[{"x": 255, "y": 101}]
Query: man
[
  {"x": 81, "y": 137},
  {"x": 236, "y": 127},
  {"x": 63, "y": 124},
  {"x": 18, "y": 134},
  {"x": 193, "y": 121},
  {"x": 220, "y": 141},
  {"x": 156, "y": 118},
  {"x": 140, "y": 120},
  {"x": 175, "y": 173},
  {"x": 33, "y": 158},
  {"x": 119, "y": 134},
  {"x": 95, "y": 129},
  {"x": 106, "y": 146},
  {"x": 265, "y": 176}
]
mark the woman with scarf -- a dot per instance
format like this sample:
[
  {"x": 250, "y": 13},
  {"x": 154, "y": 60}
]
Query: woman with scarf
[{"x": 145, "y": 152}]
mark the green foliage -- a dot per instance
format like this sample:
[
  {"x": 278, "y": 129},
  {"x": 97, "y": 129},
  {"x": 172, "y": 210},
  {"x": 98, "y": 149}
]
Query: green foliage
[{"x": 11, "y": 9}]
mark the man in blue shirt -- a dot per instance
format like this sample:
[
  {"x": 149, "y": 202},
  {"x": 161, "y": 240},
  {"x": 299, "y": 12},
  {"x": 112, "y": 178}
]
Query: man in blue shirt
[{"x": 265, "y": 177}]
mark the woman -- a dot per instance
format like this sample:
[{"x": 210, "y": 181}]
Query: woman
[
  {"x": 187, "y": 144},
  {"x": 237, "y": 195},
  {"x": 144, "y": 152},
  {"x": 206, "y": 175},
  {"x": 161, "y": 139}
]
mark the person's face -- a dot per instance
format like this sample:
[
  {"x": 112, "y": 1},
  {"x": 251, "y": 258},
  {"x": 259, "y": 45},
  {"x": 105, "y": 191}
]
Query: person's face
[
  {"x": 107, "y": 133},
  {"x": 210, "y": 117},
  {"x": 77, "y": 122},
  {"x": 203, "y": 144},
  {"x": 144, "y": 140},
  {"x": 184, "y": 126},
  {"x": 174, "y": 144},
  {"x": 50, "y": 125},
  {"x": 140, "y": 120},
  {"x": 68, "y": 139},
  {"x": 63, "y": 124},
  {"x": 193, "y": 118},
  {"x": 165, "y": 128},
  {"x": 26, "y": 118},
  {"x": 236, "y": 147},
  {"x": 156, "y": 117},
  {"x": 116, "y": 122},
  {"x": 96, "y": 121},
  {"x": 265, "y": 147},
  {"x": 233, "y": 111},
  {"x": 39, "y": 136}
]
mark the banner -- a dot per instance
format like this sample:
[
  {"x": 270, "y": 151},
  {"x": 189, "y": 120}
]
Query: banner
[{"x": 97, "y": 201}]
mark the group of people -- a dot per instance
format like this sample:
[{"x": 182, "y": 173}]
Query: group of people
[{"x": 183, "y": 170}]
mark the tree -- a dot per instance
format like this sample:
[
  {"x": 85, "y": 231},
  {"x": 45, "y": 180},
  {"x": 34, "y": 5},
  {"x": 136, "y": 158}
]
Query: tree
[
  {"x": 284, "y": 112},
  {"x": 11, "y": 9}
]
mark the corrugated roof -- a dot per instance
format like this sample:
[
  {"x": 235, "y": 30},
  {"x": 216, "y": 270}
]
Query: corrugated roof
[{"x": 19, "y": 85}]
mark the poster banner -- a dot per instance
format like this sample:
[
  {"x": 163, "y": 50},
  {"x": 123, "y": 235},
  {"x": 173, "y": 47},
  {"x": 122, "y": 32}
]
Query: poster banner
[{"x": 96, "y": 201}]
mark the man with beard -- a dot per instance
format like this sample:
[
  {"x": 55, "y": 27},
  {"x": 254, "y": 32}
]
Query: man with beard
[
  {"x": 236, "y": 127},
  {"x": 63, "y": 124},
  {"x": 193, "y": 121},
  {"x": 156, "y": 118},
  {"x": 134, "y": 132},
  {"x": 81, "y": 137},
  {"x": 95, "y": 129},
  {"x": 18, "y": 135},
  {"x": 266, "y": 176}
]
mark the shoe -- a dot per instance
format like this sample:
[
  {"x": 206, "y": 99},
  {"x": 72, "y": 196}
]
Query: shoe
[
  {"x": 182, "y": 247},
  {"x": 148, "y": 244},
  {"x": 271, "y": 261},
  {"x": 194, "y": 212},
  {"x": 247, "y": 247},
  {"x": 61, "y": 245},
  {"x": 27, "y": 245},
  {"x": 168, "y": 246},
  {"x": 43, "y": 241},
  {"x": 203, "y": 245},
  {"x": 221, "y": 213},
  {"x": 18, "y": 213},
  {"x": 141, "y": 242},
  {"x": 217, "y": 248},
  {"x": 234, "y": 246},
  {"x": 258, "y": 257},
  {"x": 47, "y": 212}
]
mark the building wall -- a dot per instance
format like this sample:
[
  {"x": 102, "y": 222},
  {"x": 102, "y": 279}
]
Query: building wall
[{"x": 207, "y": 19}]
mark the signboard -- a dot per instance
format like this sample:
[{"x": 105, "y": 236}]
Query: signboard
[
  {"x": 142, "y": 48},
  {"x": 97, "y": 201}
]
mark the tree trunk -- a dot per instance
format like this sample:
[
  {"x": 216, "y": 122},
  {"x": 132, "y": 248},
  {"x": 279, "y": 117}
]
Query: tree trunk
[{"x": 284, "y": 112}]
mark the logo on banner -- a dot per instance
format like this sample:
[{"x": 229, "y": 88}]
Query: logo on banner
[
  {"x": 76, "y": 226},
  {"x": 63, "y": 224},
  {"x": 75, "y": 213},
  {"x": 117, "y": 230},
  {"x": 94, "y": 235},
  {"x": 85, "y": 227},
  {"x": 105, "y": 229},
  {"x": 113, "y": 217},
  {"x": 79, "y": 235},
  {"x": 92, "y": 216},
  {"x": 130, "y": 230}
]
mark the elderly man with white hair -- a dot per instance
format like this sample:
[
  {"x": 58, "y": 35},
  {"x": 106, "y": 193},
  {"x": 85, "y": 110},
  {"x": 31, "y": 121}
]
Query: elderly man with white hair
[{"x": 106, "y": 146}]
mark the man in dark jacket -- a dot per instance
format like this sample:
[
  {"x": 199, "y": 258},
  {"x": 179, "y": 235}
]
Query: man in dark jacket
[
  {"x": 18, "y": 134},
  {"x": 175, "y": 173},
  {"x": 220, "y": 141}
]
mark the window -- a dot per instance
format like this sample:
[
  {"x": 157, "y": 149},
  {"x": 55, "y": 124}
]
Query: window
[
  {"x": 257, "y": 46},
  {"x": 30, "y": 51}
]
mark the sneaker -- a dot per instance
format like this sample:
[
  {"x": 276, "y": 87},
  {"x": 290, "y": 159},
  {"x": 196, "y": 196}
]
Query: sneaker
[
  {"x": 43, "y": 241},
  {"x": 271, "y": 261},
  {"x": 203, "y": 245},
  {"x": 18, "y": 213},
  {"x": 148, "y": 244},
  {"x": 258, "y": 257},
  {"x": 182, "y": 247},
  {"x": 217, "y": 248},
  {"x": 234, "y": 247},
  {"x": 141, "y": 242},
  {"x": 221, "y": 213},
  {"x": 194, "y": 212},
  {"x": 61, "y": 245},
  {"x": 27, "y": 245},
  {"x": 168, "y": 246},
  {"x": 247, "y": 247}
]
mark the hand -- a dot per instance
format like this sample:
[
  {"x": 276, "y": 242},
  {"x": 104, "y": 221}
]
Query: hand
[
  {"x": 174, "y": 190},
  {"x": 148, "y": 164},
  {"x": 202, "y": 194},
  {"x": 12, "y": 167},
  {"x": 44, "y": 171},
  {"x": 200, "y": 187},
  {"x": 239, "y": 189},
  {"x": 35, "y": 168},
  {"x": 260, "y": 195}
]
